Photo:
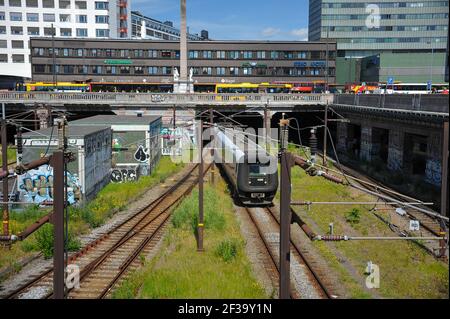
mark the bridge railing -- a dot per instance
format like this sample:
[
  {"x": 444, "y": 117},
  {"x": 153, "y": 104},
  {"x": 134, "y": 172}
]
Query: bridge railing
[
  {"x": 162, "y": 98},
  {"x": 438, "y": 103}
]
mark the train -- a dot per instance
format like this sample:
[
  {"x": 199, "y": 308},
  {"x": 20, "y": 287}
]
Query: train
[{"x": 252, "y": 171}]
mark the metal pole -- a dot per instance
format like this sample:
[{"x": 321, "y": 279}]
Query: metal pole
[
  {"x": 200, "y": 226},
  {"x": 211, "y": 122},
  {"x": 285, "y": 213},
  {"x": 326, "y": 59},
  {"x": 325, "y": 135},
  {"x": 58, "y": 224},
  {"x": 54, "y": 58},
  {"x": 5, "y": 169},
  {"x": 444, "y": 187}
]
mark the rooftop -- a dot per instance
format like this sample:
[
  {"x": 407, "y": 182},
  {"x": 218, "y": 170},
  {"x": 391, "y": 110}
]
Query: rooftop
[
  {"x": 73, "y": 131},
  {"x": 116, "y": 120}
]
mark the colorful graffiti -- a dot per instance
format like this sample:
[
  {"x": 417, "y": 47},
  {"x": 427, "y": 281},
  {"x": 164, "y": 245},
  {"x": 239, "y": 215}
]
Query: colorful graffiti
[
  {"x": 433, "y": 172},
  {"x": 36, "y": 186}
]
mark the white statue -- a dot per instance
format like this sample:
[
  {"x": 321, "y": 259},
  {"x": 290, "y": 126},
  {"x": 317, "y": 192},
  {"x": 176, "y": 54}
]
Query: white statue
[
  {"x": 176, "y": 75},
  {"x": 191, "y": 73}
]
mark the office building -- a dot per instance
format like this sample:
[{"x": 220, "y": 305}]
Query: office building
[
  {"x": 150, "y": 61},
  {"x": 22, "y": 19},
  {"x": 390, "y": 32}
]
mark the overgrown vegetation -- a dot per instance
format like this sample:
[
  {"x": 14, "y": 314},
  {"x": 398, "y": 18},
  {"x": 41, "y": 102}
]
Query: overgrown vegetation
[
  {"x": 108, "y": 201},
  {"x": 407, "y": 271},
  {"x": 179, "y": 271},
  {"x": 11, "y": 155}
]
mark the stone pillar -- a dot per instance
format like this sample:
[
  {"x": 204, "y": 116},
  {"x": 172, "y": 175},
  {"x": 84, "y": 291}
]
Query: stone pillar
[
  {"x": 433, "y": 171},
  {"x": 366, "y": 143},
  {"x": 183, "y": 43},
  {"x": 396, "y": 148},
  {"x": 342, "y": 136}
]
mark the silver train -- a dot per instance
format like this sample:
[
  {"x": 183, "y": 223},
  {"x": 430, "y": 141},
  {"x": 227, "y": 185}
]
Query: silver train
[{"x": 252, "y": 171}]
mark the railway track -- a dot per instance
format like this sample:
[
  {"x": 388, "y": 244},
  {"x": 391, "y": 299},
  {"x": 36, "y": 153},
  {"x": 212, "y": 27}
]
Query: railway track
[
  {"x": 105, "y": 262},
  {"x": 268, "y": 228}
]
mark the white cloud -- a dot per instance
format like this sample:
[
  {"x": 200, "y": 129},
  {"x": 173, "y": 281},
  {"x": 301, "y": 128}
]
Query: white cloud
[
  {"x": 300, "y": 34},
  {"x": 270, "y": 32}
]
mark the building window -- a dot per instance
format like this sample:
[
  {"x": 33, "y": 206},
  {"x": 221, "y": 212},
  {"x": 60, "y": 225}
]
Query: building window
[
  {"x": 2, "y": 29},
  {"x": 82, "y": 33},
  {"x": 274, "y": 55},
  {"x": 80, "y": 5},
  {"x": 48, "y": 17},
  {"x": 301, "y": 55},
  {"x": 31, "y": 3},
  {"x": 153, "y": 54},
  {"x": 15, "y": 16},
  {"x": 65, "y": 32},
  {"x": 15, "y": 3},
  {"x": 82, "y": 69},
  {"x": 101, "y": 19},
  {"x": 32, "y": 31},
  {"x": 78, "y": 52},
  {"x": 152, "y": 70},
  {"x": 17, "y": 44},
  {"x": 97, "y": 69},
  {"x": 261, "y": 54},
  {"x": 221, "y": 54},
  {"x": 220, "y": 71},
  {"x": 207, "y": 54},
  {"x": 68, "y": 69},
  {"x": 138, "y": 70},
  {"x": 247, "y": 71},
  {"x": 234, "y": 55},
  {"x": 248, "y": 55},
  {"x": 38, "y": 51},
  {"x": 124, "y": 53},
  {"x": 33, "y": 17},
  {"x": 17, "y": 30},
  {"x": 124, "y": 70},
  {"x": 48, "y": 31},
  {"x": 193, "y": 54},
  {"x": 111, "y": 70},
  {"x": 138, "y": 53},
  {"x": 2, "y": 15},
  {"x": 64, "y": 18},
  {"x": 48, "y": 3},
  {"x": 166, "y": 54},
  {"x": 81, "y": 18},
  {"x": 3, "y": 58},
  {"x": 166, "y": 70},
  {"x": 18, "y": 58},
  {"x": 102, "y": 33},
  {"x": 64, "y": 4},
  {"x": 3, "y": 44},
  {"x": 100, "y": 5},
  {"x": 234, "y": 71}
]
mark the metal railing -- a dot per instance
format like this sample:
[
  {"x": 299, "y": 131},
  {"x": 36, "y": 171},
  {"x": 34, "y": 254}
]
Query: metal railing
[{"x": 164, "y": 98}]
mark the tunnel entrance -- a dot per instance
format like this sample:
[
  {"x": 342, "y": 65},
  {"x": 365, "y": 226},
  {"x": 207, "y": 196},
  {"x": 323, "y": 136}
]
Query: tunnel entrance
[
  {"x": 415, "y": 154},
  {"x": 380, "y": 144}
]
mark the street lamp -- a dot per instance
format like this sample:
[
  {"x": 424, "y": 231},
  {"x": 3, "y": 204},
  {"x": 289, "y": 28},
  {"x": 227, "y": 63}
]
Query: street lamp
[{"x": 431, "y": 66}]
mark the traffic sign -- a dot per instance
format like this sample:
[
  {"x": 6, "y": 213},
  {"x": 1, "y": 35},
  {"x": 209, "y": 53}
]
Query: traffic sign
[
  {"x": 390, "y": 80},
  {"x": 429, "y": 85}
]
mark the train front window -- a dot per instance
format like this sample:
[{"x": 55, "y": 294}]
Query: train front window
[{"x": 257, "y": 169}]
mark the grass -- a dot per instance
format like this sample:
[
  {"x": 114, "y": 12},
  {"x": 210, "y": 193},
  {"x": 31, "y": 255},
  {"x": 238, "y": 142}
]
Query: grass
[
  {"x": 11, "y": 155},
  {"x": 108, "y": 201},
  {"x": 407, "y": 271},
  {"x": 178, "y": 271}
]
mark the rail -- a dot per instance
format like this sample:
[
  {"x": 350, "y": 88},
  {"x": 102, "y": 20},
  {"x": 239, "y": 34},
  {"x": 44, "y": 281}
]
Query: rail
[{"x": 196, "y": 99}]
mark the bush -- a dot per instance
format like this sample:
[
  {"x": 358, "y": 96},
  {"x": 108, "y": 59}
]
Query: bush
[
  {"x": 44, "y": 240},
  {"x": 353, "y": 216},
  {"x": 227, "y": 249}
]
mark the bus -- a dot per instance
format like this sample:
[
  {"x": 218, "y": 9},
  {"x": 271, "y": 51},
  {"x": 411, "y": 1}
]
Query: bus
[
  {"x": 51, "y": 87},
  {"x": 249, "y": 88},
  {"x": 412, "y": 88}
]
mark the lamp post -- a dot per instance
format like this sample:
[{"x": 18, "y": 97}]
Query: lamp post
[
  {"x": 431, "y": 66},
  {"x": 55, "y": 79}
]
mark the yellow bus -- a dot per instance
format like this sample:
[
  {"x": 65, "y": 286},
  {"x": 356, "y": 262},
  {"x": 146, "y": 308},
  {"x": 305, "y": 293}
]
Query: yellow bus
[
  {"x": 51, "y": 87},
  {"x": 246, "y": 88}
]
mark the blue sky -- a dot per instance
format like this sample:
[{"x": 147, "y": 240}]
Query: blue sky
[{"x": 235, "y": 19}]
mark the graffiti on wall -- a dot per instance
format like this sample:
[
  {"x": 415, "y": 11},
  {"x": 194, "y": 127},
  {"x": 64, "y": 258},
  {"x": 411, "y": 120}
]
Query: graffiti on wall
[
  {"x": 142, "y": 154},
  {"x": 433, "y": 172},
  {"x": 122, "y": 175},
  {"x": 36, "y": 186}
]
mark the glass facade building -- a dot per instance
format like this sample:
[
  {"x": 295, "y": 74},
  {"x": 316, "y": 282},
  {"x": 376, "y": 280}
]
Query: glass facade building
[{"x": 362, "y": 29}]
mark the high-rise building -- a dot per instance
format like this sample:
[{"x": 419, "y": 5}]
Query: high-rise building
[
  {"x": 390, "y": 32},
  {"x": 21, "y": 19},
  {"x": 143, "y": 27}
]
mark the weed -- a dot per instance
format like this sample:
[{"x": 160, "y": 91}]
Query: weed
[
  {"x": 353, "y": 217},
  {"x": 227, "y": 249},
  {"x": 44, "y": 241}
]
